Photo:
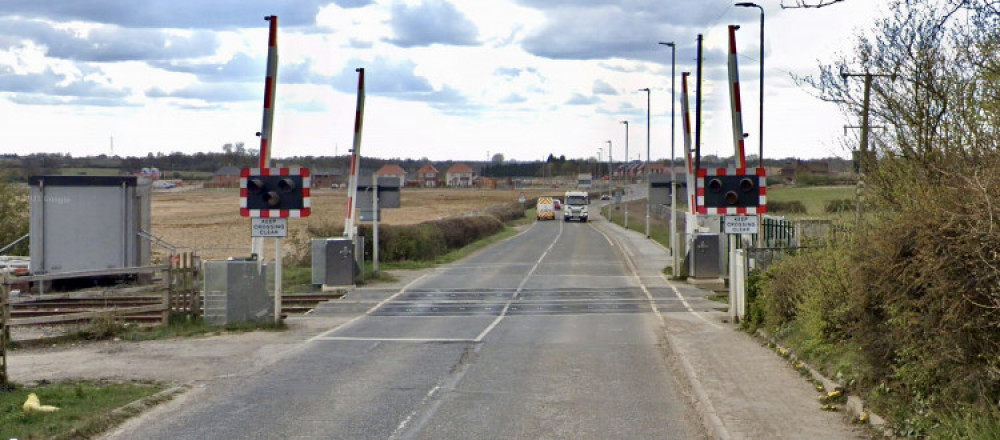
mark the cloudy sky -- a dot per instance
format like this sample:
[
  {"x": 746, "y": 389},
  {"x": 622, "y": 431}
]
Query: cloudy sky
[{"x": 446, "y": 79}]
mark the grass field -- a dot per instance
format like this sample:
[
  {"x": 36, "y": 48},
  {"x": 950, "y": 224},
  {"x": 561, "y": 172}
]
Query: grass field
[
  {"x": 209, "y": 220},
  {"x": 813, "y": 197}
]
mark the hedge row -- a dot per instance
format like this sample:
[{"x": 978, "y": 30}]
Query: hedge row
[{"x": 431, "y": 239}]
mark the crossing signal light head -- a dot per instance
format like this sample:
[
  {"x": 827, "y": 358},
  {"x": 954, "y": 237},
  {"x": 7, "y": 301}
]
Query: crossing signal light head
[
  {"x": 255, "y": 185},
  {"x": 286, "y": 185},
  {"x": 274, "y": 192},
  {"x": 732, "y": 191}
]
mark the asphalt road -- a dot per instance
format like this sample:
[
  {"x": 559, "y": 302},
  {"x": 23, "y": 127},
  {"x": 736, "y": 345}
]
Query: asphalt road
[{"x": 545, "y": 335}]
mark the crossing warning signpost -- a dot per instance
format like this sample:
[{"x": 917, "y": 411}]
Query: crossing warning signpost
[{"x": 740, "y": 224}]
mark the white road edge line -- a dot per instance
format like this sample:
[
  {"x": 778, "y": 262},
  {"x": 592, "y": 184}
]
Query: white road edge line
[
  {"x": 712, "y": 417},
  {"x": 686, "y": 304},
  {"x": 520, "y": 287},
  {"x": 377, "y": 339},
  {"x": 368, "y": 312}
]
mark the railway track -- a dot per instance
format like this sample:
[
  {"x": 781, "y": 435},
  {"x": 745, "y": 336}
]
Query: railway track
[{"x": 292, "y": 304}]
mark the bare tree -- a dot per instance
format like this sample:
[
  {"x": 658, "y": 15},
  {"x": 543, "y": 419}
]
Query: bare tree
[{"x": 799, "y": 4}]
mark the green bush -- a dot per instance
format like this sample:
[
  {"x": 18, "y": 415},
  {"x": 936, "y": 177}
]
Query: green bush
[
  {"x": 431, "y": 239},
  {"x": 13, "y": 218}
]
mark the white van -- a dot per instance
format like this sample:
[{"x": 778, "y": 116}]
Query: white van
[{"x": 575, "y": 206}]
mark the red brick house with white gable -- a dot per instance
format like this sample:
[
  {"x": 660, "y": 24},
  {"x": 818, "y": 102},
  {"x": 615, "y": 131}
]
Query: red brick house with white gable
[
  {"x": 460, "y": 175},
  {"x": 427, "y": 176}
]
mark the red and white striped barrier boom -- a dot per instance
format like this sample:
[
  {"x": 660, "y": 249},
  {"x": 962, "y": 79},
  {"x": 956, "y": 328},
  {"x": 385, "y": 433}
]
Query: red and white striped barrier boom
[
  {"x": 352, "y": 189},
  {"x": 734, "y": 98},
  {"x": 270, "y": 81},
  {"x": 686, "y": 117}
]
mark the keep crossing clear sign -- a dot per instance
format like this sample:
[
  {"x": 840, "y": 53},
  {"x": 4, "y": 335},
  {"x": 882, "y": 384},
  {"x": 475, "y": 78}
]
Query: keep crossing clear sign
[
  {"x": 741, "y": 224},
  {"x": 269, "y": 227}
]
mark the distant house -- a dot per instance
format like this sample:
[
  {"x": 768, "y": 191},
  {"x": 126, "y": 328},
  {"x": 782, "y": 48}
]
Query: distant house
[
  {"x": 328, "y": 177},
  {"x": 460, "y": 175},
  {"x": 638, "y": 169},
  {"x": 631, "y": 169},
  {"x": 392, "y": 170},
  {"x": 226, "y": 177},
  {"x": 427, "y": 176}
]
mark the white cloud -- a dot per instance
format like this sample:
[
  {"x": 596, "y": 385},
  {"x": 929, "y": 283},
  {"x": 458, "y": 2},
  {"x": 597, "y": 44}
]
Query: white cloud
[{"x": 447, "y": 79}]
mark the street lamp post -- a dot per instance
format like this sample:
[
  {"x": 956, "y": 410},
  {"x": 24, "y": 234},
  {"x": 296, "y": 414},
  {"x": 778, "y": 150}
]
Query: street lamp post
[
  {"x": 625, "y": 181},
  {"x": 611, "y": 178},
  {"x": 760, "y": 134},
  {"x": 646, "y": 168},
  {"x": 674, "y": 250}
]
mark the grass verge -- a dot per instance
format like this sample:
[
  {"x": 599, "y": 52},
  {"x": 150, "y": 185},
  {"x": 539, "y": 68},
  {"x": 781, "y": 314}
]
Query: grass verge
[
  {"x": 178, "y": 326},
  {"x": 659, "y": 228},
  {"x": 85, "y": 408}
]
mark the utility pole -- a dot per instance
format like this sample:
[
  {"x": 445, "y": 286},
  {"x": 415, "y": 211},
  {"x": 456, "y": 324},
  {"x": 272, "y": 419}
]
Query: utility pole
[
  {"x": 646, "y": 168},
  {"x": 611, "y": 178},
  {"x": 865, "y": 128},
  {"x": 674, "y": 249}
]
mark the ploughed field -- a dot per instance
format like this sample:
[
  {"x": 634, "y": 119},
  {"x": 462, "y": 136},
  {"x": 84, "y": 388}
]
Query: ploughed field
[{"x": 209, "y": 220}]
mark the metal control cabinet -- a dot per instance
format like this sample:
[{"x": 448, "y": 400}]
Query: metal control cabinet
[
  {"x": 340, "y": 264},
  {"x": 236, "y": 291},
  {"x": 336, "y": 261},
  {"x": 82, "y": 223},
  {"x": 707, "y": 255}
]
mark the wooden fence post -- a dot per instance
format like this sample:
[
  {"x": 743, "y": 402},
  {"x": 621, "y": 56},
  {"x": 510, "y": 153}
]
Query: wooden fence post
[{"x": 195, "y": 285}]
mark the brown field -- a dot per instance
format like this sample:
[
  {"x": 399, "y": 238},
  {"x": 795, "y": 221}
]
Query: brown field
[{"x": 208, "y": 220}]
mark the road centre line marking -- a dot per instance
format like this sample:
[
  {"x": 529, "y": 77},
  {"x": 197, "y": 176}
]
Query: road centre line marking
[
  {"x": 520, "y": 287},
  {"x": 368, "y": 312},
  {"x": 397, "y": 294}
]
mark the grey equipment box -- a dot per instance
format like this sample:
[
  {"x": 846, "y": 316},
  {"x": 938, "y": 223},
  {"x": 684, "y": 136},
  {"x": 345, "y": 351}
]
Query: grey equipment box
[
  {"x": 235, "y": 291},
  {"x": 333, "y": 261},
  {"x": 88, "y": 223},
  {"x": 706, "y": 253}
]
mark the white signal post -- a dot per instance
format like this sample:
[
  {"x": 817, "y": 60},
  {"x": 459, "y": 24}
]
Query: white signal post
[
  {"x": 352, "y": 189},
  {"x": 375, "y": 215}
]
